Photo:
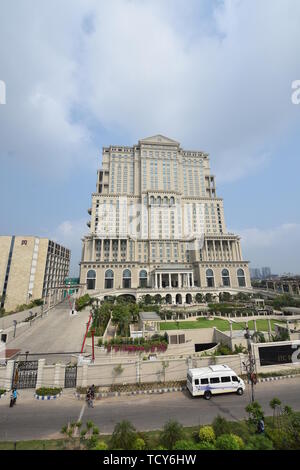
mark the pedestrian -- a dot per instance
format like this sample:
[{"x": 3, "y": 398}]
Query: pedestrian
[
  {"x": 92, "y": 389},
  {"x": 13, "y": 397},
  {"x": 261, "y": 426}
]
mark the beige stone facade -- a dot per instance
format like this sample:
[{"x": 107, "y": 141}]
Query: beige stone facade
[
  {"x": 158, "y": 226},
  {"x": 29, "y": 268}
]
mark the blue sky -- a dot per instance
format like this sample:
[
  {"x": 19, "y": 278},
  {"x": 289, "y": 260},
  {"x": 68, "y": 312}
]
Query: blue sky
[{"x": 214, "y": 75}]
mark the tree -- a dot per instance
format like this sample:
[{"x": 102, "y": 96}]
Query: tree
[
  {"x": 171, "y": 433},
  {"x": 255, "y": 412},
  {"x": 220, "y": 426},
  {"x": 275, "y": 404},
  {"x": 124, "y": 436}
]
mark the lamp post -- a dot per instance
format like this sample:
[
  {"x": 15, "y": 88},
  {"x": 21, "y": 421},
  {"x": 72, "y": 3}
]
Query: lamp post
[{"x": 15, "y": 327}]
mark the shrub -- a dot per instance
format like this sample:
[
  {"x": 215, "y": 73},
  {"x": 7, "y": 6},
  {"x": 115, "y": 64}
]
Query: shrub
[
  {"x": 43, "y": 391},
  {"x": 204, "y": 446},
  {"x": 207, "y": 434},
  {"x": 139, "y": 444},
  {"x": 184, "y": 445},
  {"x": 101, "y": 445},
  {"x": 229, "y": 442},
  {"x": 171, "y": 433},
  {"x": 259, "y": 442},
  {"x": 221, "y": 426}
]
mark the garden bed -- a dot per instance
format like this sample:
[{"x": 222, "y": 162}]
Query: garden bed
[
  {"x": 147, "y": 386},
  {"x": 45, "y": 391}
]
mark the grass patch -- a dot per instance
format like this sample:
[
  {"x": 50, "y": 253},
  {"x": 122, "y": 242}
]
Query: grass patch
[{"x": 220, "y": 324}]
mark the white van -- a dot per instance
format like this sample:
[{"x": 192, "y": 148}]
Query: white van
[{"x": 211, "y": 380}]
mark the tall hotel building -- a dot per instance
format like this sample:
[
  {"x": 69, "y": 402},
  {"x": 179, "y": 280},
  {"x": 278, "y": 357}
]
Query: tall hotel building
[
  {"x": 158, "y": 227},
  {"x": 30, "y": 268}
]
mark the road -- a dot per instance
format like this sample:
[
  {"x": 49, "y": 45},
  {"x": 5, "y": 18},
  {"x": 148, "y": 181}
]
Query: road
[
  {"x": 55, "y": 332},
  {"x": 33, "y": 419}
]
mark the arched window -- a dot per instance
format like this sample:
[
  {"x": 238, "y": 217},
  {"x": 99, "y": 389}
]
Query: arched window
[
  {"x": 225, "y": 277},
  {"x": 143, "y": 278},
  {"x": 91, "y": 279},
  {"x": 166, "y": 200},
  {"x": 210, "y": 278},
  {"x": 172, "y": 201},
  {"x": 152, "y": 200},
  {"x": 158, "y": 200},
  {"x": 126, "y": 279},
  {"x": 109, "y": 279},
  {"x": 241, "y": 278}
]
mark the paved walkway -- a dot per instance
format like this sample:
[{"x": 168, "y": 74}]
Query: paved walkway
[{"x": 55, "y": 332}]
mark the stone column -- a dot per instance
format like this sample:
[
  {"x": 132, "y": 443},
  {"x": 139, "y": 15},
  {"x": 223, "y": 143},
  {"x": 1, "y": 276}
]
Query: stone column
[
  {"x": 170, "y": 280},
  {"x": 155, "y": 277},
  {"x": 222, "y": 253},
  {"x": 40, "y": 373},
  {"x": 270, "y": 329},
  {"x": 84, "y": 381},
  {"x": 9, "y": 375},
  {"x": 93, "y": 250},
  {"x": 119, "y": 249},
  {"x": 160, "y": 280},
  {"x": 57, "y": 374}
]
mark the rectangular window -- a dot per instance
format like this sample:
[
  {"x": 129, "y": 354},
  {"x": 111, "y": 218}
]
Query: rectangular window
[
  {"x": 214, "y": 380},
  {"x": 225, "y": 379},
  {"x": 204, "y": 381}
]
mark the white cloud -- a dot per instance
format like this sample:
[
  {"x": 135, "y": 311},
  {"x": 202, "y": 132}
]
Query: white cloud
[
  {"x": 212, "y": 77},
  {"x": 277, "y": 247}
]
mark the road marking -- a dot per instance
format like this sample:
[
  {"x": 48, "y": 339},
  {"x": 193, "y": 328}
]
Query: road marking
[
  {"x": 81, "y": 412},
  {"x": 76, "y": 430}
]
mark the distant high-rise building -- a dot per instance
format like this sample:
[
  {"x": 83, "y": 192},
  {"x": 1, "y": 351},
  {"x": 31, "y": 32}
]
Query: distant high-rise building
[
  {"x": 266, "y": 272},
  {"x": 30, "y": 267},
  {"x": 255, "y": 273},
  {"x": 157, "y": 226}
]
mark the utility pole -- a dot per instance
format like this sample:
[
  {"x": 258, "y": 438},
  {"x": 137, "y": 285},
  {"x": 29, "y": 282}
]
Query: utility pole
[{"x": 250, "y": 366}]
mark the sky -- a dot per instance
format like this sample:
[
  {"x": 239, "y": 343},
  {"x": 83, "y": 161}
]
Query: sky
[{"x": 215, "y": 75}]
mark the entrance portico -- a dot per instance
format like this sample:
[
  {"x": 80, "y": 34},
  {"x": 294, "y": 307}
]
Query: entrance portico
[{"x": 162, "y": 278}]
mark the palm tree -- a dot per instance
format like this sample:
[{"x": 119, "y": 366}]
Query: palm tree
[
  {"x": 171, "y": 433},
  {"x": 124, "y": 436},
  {"x": 275, "y": 404}
]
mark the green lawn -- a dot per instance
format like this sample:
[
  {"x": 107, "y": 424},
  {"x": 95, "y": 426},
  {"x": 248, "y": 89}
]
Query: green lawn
[{"x": 222, "y": 325}]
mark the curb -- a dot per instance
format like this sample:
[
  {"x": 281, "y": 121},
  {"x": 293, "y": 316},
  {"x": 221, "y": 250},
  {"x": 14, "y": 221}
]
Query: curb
[
  {"x": 280, "y": 377},
  {"x": 47, "y": 397},
  {"x": 80, "y": 396}
]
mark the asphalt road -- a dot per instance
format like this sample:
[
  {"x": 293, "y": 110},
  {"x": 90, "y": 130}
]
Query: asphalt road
[
  {"x": 55, "y": 332},
  {"x": 33, "y": 419}
]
